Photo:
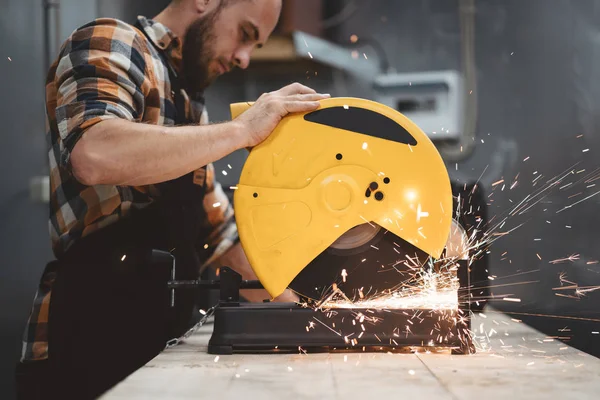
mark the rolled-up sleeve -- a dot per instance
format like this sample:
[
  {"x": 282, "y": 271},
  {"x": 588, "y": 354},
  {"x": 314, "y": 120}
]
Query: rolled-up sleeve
[{"x": 100, "y": 75}]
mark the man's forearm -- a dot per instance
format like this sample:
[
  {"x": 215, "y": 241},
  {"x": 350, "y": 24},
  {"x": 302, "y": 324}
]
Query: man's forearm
[{"x": 119, "y": 152}]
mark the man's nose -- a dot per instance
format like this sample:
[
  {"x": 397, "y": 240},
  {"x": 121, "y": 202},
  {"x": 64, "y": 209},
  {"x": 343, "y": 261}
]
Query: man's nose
[{"x": 242, "y": 58}]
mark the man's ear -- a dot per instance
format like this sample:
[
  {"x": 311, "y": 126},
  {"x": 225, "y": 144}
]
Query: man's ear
[{"x": 204, "y": 6}]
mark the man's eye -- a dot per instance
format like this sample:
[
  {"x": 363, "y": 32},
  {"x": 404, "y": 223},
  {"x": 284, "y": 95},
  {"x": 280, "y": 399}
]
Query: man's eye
[{"x": 245, "y": 35}]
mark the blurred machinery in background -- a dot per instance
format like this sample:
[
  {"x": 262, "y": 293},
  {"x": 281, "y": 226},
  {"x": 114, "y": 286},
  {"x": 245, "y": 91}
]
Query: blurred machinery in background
[
  {"x": 434, "y": 100},
  {"x": 443, "y": 103}
]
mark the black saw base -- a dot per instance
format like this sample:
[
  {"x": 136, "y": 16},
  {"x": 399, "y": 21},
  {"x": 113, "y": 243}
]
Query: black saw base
[{"x": 274, "y": 327}]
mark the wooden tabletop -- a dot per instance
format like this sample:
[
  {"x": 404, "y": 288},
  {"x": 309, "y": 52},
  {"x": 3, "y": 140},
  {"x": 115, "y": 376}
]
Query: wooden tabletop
[{"x": 513, "y": 361}]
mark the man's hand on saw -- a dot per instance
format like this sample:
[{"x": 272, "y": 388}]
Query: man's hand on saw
[{"x": 263, "y": 116}]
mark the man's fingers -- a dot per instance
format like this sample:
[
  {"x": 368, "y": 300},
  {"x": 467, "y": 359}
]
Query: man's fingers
[
  {"x": 295, "y": 88},
  {"x": 300, "y": 106},
  {"x": 307, "y": 97}
]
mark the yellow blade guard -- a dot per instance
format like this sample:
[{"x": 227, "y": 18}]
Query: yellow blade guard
[{"x": 321, "y": 173}]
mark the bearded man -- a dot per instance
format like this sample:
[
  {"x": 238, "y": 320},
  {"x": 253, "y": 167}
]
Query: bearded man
[{"x": 130, "y": 156}]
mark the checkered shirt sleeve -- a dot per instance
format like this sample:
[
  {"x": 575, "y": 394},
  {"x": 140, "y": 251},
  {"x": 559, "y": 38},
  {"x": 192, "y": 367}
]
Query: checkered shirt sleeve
[{"x": 101, "y": 75}]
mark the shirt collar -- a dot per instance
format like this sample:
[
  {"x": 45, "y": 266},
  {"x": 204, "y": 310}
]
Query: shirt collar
[{"x": 164, "y": 39}]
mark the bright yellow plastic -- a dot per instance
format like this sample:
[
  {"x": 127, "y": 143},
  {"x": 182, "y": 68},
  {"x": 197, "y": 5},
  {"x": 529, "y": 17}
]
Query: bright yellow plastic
[{"x": 295, "y": 198}]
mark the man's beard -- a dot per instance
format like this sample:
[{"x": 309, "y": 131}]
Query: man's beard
[{"x": 197, "y": 54}]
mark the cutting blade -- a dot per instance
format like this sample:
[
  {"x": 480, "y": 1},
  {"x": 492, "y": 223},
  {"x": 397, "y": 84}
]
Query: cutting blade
[
  {"x": 369, "y": 262},
  {"x": 364, "y": 262}
]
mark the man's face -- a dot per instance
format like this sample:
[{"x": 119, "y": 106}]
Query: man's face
[{"x": 224, "y": 38}]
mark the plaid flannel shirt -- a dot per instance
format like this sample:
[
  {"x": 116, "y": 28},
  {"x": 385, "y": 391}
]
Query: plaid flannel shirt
[{"x": 109, "y": 69}]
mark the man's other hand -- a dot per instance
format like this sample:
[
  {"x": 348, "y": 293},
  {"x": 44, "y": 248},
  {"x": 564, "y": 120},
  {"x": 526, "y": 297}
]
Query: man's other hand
[
  {"x": 236, "y": 259},
  {"x": 259, "y": 295},
  {"x": 287, "y": 297}
]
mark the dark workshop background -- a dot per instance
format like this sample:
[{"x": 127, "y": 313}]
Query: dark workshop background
[{"x": 537, "y": 87}]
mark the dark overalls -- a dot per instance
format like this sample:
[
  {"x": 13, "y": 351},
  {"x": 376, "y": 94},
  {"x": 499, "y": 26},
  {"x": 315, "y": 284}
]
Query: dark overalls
[{"x": 110, "y": 307}]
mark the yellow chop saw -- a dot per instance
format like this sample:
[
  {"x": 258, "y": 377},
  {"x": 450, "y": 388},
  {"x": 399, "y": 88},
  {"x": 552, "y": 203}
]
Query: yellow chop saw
[{"x": 351, "y": 207}]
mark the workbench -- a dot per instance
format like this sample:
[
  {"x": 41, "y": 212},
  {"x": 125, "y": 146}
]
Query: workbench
[{"x": 513, "y": 361}]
